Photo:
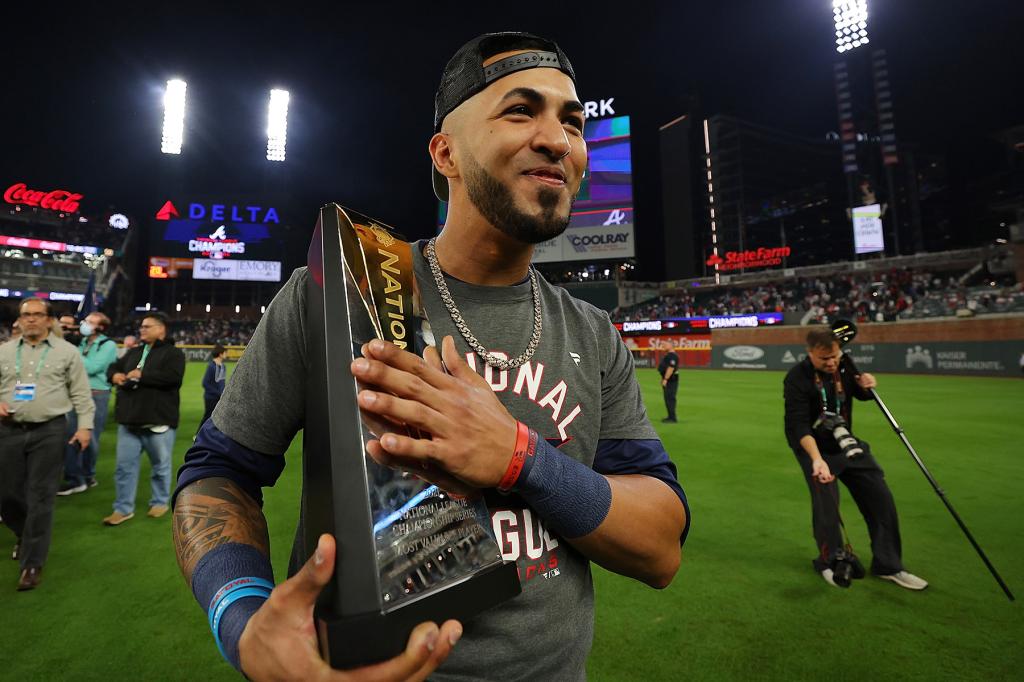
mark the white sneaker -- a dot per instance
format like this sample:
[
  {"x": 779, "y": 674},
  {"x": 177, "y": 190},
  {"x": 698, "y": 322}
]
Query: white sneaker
[
  {"x": 827, "y": 575},
  {"x": 906, "y": 580}
]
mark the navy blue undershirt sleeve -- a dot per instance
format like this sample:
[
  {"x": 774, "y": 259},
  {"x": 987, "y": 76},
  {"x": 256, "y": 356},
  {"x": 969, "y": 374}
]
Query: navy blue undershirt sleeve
[
  {"x": 215, "y": 455},
  {"x": 619, "y": 457}
]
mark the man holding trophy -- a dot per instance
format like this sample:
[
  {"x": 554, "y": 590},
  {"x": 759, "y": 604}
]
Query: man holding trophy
[{"x": 526, "y": 410}]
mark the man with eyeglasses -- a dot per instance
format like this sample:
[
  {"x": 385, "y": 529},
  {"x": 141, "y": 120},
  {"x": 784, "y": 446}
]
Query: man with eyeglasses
[
  {"x": 148, "y": 379},
  {"x": 42, "y": 379}
]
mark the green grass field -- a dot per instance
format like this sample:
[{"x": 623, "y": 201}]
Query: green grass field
[{"x": 745, "y": 604}]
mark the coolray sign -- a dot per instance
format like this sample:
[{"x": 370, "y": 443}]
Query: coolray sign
[
  {"x": 52, "y": 200},
  {"x": 867, "y": 229},
  {"x": 237, "y": 270},
  {"x": 760, "y": 258},
  {"x": 598, "y": 241}
]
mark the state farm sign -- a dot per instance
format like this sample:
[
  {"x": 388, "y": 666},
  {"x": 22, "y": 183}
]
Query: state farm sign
[
  {"x": 761, "y": 258},
  {"x": 52, "y": 200}
]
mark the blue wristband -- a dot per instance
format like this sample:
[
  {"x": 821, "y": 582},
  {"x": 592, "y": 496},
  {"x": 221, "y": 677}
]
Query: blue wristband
[
  {"x": 228, "y": 595},
  {"x": 570, "y": 496},
  {"x": 214, "y": 576}
]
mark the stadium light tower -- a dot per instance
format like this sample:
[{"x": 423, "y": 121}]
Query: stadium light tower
[
  {"x": 174, "y": 117},
  {"x": 277, "y": 125},
  {"x": 851, "y": 19}
]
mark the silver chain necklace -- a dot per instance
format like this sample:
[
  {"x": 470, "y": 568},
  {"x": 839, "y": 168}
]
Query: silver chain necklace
[{"x": 449, "y": 302}]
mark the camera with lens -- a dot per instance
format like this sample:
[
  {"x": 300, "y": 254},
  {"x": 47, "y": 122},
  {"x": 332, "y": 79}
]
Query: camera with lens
[
  {"x": 130, "y": 384},
  {"x": 834, "y": 424},
  {"x": 843, "y": 569}
]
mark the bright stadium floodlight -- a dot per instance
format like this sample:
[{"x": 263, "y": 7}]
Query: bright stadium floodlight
[
  {"x": 851, "y": 18},
  {"x": 277, "y": 125},
  {"x": 174, "y": 117}
]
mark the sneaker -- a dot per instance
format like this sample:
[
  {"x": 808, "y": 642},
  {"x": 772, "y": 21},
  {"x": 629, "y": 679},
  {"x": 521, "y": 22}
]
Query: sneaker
[
  {"x": 117, "y": 518},
  {"x": 156, "y": 511},
  {"x": 92, "y": 482},
  {"x": 828, "y": 574},
  {"x": 71, "y": 489},
  {"x": 906, "y": 580}
]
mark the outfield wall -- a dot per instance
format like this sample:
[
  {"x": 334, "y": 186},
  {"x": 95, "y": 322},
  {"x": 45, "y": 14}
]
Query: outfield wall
[{"x": 988, "y": 346}]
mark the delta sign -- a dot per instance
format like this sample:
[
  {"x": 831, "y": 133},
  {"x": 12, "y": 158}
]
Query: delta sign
[{"x": 217, "y": 231}]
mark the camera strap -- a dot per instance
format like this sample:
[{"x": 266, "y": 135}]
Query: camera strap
[{"x": 838, "y": 387}]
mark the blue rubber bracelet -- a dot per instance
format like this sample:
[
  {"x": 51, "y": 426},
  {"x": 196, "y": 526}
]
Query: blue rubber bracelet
[
  {"x": 231, "y": 586},
  {"x": 225, "y": 602}
]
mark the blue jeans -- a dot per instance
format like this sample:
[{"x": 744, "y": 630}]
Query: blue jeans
[
  {"x": 80, "y": 465},
  {"x": 130, "y": 444}
]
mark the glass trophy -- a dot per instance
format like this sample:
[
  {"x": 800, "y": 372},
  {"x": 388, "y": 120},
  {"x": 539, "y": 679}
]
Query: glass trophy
[{"x": 408, "y": 551}]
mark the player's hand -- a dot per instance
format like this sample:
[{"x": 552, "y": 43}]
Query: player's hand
[
  {"x": 820, "y": 471},
  {"x": 280, "y": 643},
  {"x": 4, "y": 411},
  {"x": 118, "y": 378},
  {"x": 472, "y": 435},
  {"x": 82, "y": 437},
  {"x": 866, "y": 381},
  {"x": 134, "y": 374},
  {"x": 664, "y": 383}
]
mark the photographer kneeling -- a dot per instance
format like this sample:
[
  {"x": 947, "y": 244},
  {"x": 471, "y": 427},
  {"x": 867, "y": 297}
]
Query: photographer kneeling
[{"x": 819, "y": 416}]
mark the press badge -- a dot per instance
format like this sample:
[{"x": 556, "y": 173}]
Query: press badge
[{"x": 24, "y": 392}]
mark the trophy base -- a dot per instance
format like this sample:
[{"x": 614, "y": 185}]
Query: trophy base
[{"x": 353, "y": 641}]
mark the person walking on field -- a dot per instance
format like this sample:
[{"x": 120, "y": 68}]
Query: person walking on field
[{"x": 214, "y": 380}]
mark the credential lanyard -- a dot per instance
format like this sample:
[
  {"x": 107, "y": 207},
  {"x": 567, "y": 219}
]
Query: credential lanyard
[
  {"x": 39, "y": 365},
  {"x": 839, "y": 391},
  {"x": 145, "y": 354}
]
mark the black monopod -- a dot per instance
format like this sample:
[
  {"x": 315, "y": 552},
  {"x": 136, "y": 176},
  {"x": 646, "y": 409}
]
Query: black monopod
[{"x": 844, "y": 331}]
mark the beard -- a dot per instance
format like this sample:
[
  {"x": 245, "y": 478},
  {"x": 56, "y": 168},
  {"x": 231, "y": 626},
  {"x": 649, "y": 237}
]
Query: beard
[{"x": 496, "y": 203}]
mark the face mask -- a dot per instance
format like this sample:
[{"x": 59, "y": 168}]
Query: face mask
[{"x": 86, "y": 329}]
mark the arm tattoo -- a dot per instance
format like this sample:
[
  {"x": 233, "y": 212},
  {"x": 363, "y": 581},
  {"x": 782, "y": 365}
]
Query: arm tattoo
[{"x": 212, "y": 512}]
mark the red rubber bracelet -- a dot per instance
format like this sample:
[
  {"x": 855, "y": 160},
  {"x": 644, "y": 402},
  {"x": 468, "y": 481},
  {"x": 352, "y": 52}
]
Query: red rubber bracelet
[{"x": 515, "y": 466}]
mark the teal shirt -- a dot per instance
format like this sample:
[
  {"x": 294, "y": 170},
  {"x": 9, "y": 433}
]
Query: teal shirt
[{"x": 97, "y": 357}]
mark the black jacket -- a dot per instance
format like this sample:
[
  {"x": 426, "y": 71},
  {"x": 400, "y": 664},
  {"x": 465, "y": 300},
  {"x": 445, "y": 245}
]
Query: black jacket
[
  {"x": 803, "y": 403},
  {"x": 155, "y": 399}
]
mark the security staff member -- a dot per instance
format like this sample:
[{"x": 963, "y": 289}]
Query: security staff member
[
  {"x": 668, "y": 369},
  {"x": 42, "y": 378}
]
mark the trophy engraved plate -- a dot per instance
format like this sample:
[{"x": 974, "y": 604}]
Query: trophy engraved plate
[{"x": 407, "y": 551}]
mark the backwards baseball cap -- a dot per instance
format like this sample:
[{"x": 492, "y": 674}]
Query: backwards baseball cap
[{"x": 465, "y": 74}]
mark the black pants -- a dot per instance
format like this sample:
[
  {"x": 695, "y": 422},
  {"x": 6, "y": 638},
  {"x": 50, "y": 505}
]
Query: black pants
[
  {"x": 31, "y": 465},
  {"x": 866, "y": 483},
  {"x": 669, "y": 390},
  {"x": 208, "y": 412}
]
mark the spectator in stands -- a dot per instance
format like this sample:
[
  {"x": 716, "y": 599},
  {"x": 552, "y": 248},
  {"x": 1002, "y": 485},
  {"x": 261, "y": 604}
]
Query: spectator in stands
[
  {"x": 214, "y": 381},
  {"x": 149, "y": 381},
  {"x": 98, "y": 353},
  {"x": 42, "y": 378}
]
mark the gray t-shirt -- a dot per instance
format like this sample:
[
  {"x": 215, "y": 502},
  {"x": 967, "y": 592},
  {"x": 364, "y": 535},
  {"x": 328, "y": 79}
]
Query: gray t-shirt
[{"x": 578, "y": 388}]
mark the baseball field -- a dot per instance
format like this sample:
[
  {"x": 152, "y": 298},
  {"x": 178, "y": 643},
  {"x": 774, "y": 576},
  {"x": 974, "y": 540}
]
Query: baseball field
[{"x": 744, "y": 605}]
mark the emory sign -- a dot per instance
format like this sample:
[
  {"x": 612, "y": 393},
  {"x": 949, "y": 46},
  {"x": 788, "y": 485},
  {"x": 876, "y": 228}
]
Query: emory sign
[{"x": 761, "y": 258}]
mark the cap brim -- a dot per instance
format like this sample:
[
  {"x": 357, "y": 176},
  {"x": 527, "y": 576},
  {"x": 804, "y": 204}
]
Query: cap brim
[{"x": 440, "y": 183}]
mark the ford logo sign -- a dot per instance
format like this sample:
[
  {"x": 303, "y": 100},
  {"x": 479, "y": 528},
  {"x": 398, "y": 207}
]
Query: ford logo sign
[{"x": 744, "y": 353}]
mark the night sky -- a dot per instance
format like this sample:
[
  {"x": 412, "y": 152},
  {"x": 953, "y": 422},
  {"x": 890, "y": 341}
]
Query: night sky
[{"x": 82, "y": 90}]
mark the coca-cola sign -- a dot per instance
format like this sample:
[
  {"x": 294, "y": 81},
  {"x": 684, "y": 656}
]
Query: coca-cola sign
[{"x": 54, "y": 200}]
